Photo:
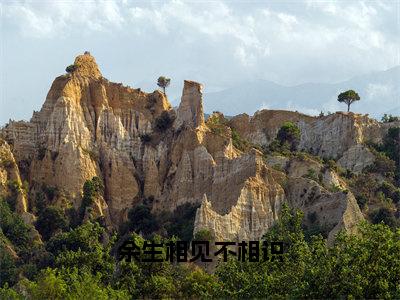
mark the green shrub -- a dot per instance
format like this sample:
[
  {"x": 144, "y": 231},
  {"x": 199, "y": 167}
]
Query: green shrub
[
  {"x": 8, "y": 269},
  {"x": 278, "y": 167},
  {"x": 389, "y": 118},
  {"x": 316, "y": 229},
  {"x": 385, "y": 216},
  {"x": 71, "y": 68},
  {"x": 142, "y": 220},
  {"x": 332, "y": 165},
  {"x": 218, "y": 124},
  {"x": 362, "y": 200},
  {"x": 6, "y": 161},
  {"x": 164, "y": 121},
  {"x": 276, "y": 147},
  {"x": 50, "y": 220},
  {"x": 382, "y": 165},
  {"x": 335, "y": 188},
  {"x": 181, "y": 221},
  {"x": 390, "y": 191},
  {"x": 15, "y": 189},
  {"x": 84, "y": 237},
  {"x": 203, "y": 235},
  {"x": 238, "y": 142},
  {"x": 91, "y": 188},
  {"x": 40, "y": 201},
  {"x": 387, "y": 153},
  {"x": 312, "y": 174},
  {"x": 289, "y": 133},
  {"x": 13, "y": 227}
]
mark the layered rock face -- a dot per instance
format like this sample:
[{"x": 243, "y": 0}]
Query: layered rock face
[
  {"x": 190, "y": 111},
  {"x": 87, "y": 127},
  {"x": 10, "y": 180},
  {"x": 339, "y": 136},
  {"x": 141, "y": 149}
]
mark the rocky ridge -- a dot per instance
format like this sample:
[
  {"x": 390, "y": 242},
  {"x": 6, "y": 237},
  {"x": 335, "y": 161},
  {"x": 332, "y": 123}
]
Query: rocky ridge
[{"x": 142, "y": 149}]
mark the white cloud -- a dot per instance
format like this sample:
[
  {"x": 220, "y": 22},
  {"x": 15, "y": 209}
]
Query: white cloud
[
  {"x": 222, "y": 43},
  {"x": 48, "y": 19}
]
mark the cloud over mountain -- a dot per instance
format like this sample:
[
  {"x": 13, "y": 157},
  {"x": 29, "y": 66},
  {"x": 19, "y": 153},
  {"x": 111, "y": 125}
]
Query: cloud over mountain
[{"x": 219, "y": 43}]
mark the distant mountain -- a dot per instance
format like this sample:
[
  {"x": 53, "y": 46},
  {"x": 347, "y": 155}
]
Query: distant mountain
[{"x": 379, "y": 92}]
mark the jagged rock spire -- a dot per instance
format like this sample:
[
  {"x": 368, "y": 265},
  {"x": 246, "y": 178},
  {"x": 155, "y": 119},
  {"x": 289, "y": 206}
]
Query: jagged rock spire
[
  {"x": 87, "y": 66},
  {"x": 190, "y": 111}
]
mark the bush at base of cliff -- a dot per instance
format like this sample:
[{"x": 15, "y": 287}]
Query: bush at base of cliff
[
  {"x": 356, "y": 266},
  {"x": 51, "y": 220}
]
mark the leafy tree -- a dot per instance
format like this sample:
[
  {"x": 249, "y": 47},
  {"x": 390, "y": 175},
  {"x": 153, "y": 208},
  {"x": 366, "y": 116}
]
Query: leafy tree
[
  {"x": 382, "y": 164},
  {"x": 386, "y": 216},
  {"x": 199, "y": 284},
  {"x": 84, "y": 237},
  {"x": 348, "y": 97},
  {"x": 238, "y": 141},
  {"x": 13, "y": 227},
  {"x": 389, "y": 118},
  {"x": 289, "y": 133},
  {"x": 163, "y": 82},
  {"x": 391, "y": 144},
  {"x": 390, "y": 191},
  {"x": 366, "y": 265},
  {"x": 142, "y": 220},
  {"x": 158, "y": 286},
  {"x": 51, "y": 220},
  {"x": 91, "y": 189},
  {"x": 389, "y": 150},
  {"x": 181, "y": 222},
  {"x": 8, "y": 293},
  {"x": 71, "y": 68},
  {"x": 82, "y": 247},
  {"x": 8, "y": 269},
  {"x": 70, "y": 284}
]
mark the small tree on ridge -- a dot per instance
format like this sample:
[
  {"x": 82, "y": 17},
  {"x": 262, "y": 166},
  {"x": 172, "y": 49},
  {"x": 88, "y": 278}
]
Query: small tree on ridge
[
  {"x": 163, "y": 82},
  {"x": 348, "y": 97}
]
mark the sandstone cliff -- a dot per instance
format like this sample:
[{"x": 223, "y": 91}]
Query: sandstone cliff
[
  {"x": 142, "y": 149},
  {"x": 340, "y": 135}
]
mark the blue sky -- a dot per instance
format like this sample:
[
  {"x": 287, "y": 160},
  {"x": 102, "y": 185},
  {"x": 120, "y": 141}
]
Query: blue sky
[{"x": 218, "y": 43}]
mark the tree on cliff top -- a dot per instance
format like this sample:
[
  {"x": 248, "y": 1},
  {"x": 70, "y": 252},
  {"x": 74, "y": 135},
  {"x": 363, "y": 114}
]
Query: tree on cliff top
[
  {"x": 163, "y": 82},
  {"x": 348, "y": 97},
  {"x": 289, "y": 134},
  {"x": 71, "y": 68}
]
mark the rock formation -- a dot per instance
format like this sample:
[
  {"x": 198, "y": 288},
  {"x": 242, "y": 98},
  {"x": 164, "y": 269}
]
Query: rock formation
[
  {"x": 190, "y": 111},
  {"x": 340, "y": 135},
  {"x": 142, "y": 149}
]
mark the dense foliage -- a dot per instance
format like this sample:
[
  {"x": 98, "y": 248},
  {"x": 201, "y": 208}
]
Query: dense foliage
[
  {"x": 389, "y": 118},
  {"x": 348, "y": 97},
  {"x": 163, "y": 82},
  {"x": 179, "y": 223},
  {"x": 287, "y": 138},
  {"x": 388, "y": 153},
  {"x": 366, "y": 265}
]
